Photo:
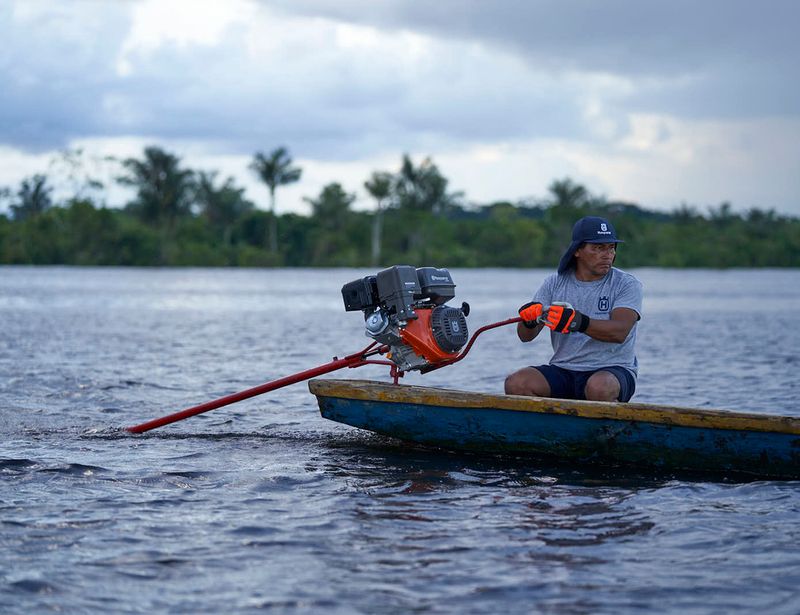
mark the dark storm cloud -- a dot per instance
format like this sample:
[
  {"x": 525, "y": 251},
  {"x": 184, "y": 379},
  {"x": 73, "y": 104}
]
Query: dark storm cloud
[{"x": 697, "y": 59}]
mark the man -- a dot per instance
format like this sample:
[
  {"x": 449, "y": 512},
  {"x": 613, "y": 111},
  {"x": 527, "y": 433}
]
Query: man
[{"x": 592, "y": 310}]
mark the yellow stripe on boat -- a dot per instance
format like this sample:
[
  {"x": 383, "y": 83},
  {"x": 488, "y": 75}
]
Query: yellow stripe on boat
[{"x": 367, "y": 390}]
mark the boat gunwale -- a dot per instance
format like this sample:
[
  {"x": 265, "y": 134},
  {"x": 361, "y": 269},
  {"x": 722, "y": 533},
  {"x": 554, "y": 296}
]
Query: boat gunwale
[{"x": 371, "y": 390}]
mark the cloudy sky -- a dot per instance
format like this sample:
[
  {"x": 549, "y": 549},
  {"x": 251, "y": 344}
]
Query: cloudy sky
[{"x": 659, "y": 103}]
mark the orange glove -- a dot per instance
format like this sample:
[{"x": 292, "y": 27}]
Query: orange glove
[
  {"x": 563, "y": 318},
  {"x": 530, "y": 313}
]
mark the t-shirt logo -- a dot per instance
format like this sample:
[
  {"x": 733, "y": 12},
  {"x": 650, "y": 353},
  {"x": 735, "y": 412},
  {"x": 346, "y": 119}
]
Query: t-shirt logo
[{"x": 602, "y": 305}]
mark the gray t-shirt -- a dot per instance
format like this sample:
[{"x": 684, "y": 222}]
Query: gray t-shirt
[{"x": 577, "y": 351}]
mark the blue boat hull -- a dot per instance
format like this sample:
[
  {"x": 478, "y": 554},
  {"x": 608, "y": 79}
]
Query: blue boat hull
[{"x": 704, "y": 441}]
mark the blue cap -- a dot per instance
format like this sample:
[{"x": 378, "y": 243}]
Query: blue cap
[{"x": 590, "y": 229}]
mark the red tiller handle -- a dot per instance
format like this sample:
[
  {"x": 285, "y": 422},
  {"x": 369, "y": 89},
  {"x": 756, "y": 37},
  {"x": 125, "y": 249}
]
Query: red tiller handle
[{"x": 354, "y": 360}]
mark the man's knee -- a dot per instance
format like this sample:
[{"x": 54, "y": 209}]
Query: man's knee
[
  {"x": 602, "y": 386},
  {"x": 514, "y": 384},
  {"x": 527, "y": 381}
]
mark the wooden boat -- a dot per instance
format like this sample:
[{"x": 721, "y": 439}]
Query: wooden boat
[{"x": 668, "y": 438}]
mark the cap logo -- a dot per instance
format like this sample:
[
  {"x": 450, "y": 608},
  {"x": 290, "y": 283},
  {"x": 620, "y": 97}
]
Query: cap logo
[{"x": 603, "y": 230}]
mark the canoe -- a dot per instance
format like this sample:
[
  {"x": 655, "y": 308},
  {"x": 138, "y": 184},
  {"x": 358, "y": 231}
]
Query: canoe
[{"x": 645, "y": 435}]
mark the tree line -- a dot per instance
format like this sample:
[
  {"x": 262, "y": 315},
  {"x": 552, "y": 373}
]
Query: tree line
[{"x": 181, "y": 216}]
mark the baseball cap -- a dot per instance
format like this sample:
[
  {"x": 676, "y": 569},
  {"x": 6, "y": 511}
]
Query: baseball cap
[{"x": 591, "y": 229}]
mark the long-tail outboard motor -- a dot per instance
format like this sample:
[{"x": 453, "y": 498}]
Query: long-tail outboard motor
[{"x": 404, "y": 308}]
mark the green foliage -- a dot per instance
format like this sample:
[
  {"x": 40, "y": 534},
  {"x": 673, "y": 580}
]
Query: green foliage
[
  {"x": 335, "y": 236},
  {"x": 221, "y": 206},
  {"x": 505, "y": 239},
  {"x": 182, "y": 217}
]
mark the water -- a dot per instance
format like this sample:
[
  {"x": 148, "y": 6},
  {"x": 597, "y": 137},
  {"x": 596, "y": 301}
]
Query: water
[{"x": 266, "y": 506}]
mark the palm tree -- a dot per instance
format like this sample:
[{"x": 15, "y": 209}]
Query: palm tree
[
  {"x": 568, "y": 194},
  {"x": 379, "y": 185},
  {"x": 275, "y": 170},
  {"x": 34, "y": 198},
  {"x": 423, "y": 188},
  {"x": 164, "y": 191},
  {"x": 222, "y": 206},
  {"x": 569, "y": 202}
]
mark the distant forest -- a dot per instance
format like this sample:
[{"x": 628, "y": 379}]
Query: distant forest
[{"x": 185, "y": 217}]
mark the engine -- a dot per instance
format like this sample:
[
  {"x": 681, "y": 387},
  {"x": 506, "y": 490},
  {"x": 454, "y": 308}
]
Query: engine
[{"x": 404, "y": 308}]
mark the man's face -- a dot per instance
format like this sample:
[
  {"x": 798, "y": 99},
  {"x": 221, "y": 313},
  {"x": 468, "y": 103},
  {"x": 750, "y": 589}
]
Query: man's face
[{"x": 596, "y": 258}]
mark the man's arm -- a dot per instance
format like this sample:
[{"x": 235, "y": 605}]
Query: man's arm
[
  {"x": 526, "y": 334},
  {"x": 615, "y": 330}
]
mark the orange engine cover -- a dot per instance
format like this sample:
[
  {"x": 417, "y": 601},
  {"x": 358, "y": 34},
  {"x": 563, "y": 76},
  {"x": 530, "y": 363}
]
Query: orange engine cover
[{"x": 419, "y": 335}]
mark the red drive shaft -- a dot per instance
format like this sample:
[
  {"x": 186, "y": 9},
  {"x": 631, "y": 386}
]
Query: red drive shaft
[{"x": 353, "y": 360}]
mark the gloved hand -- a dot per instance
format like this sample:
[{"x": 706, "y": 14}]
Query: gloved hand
[
  {"x": 563, "y": 318},
  {"x": 530, "y": 313}
]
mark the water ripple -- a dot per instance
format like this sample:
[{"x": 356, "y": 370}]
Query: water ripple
[{"x": 264, "y": 505}]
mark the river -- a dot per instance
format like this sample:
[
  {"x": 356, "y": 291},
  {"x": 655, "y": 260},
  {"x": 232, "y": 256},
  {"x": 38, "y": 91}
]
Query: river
[{"x": 264, "y": 505}]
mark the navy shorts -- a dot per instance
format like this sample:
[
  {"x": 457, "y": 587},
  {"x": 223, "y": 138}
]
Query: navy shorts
[{"x": 569, "y": 384}]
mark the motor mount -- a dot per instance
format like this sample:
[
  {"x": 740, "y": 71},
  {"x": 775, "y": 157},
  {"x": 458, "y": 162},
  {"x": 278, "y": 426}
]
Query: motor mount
[{"x": 404, "y": 308}]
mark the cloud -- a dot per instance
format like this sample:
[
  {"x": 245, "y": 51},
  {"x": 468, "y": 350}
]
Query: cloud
[
  {"x": 54, "y": 71},
  {"x": 672, "y": 44},
  {"x": 337, "y": 90},
  {"x": 710, "y": 160},
  {"x": 505, "y": 95}
]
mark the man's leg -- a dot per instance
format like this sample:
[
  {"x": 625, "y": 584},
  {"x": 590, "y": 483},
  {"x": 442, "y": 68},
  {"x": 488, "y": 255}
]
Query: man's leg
[
  {"x": 527, "y": 381},
  {"x": 602, "y": 386},
  {"x": 610, "y": 384}
]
